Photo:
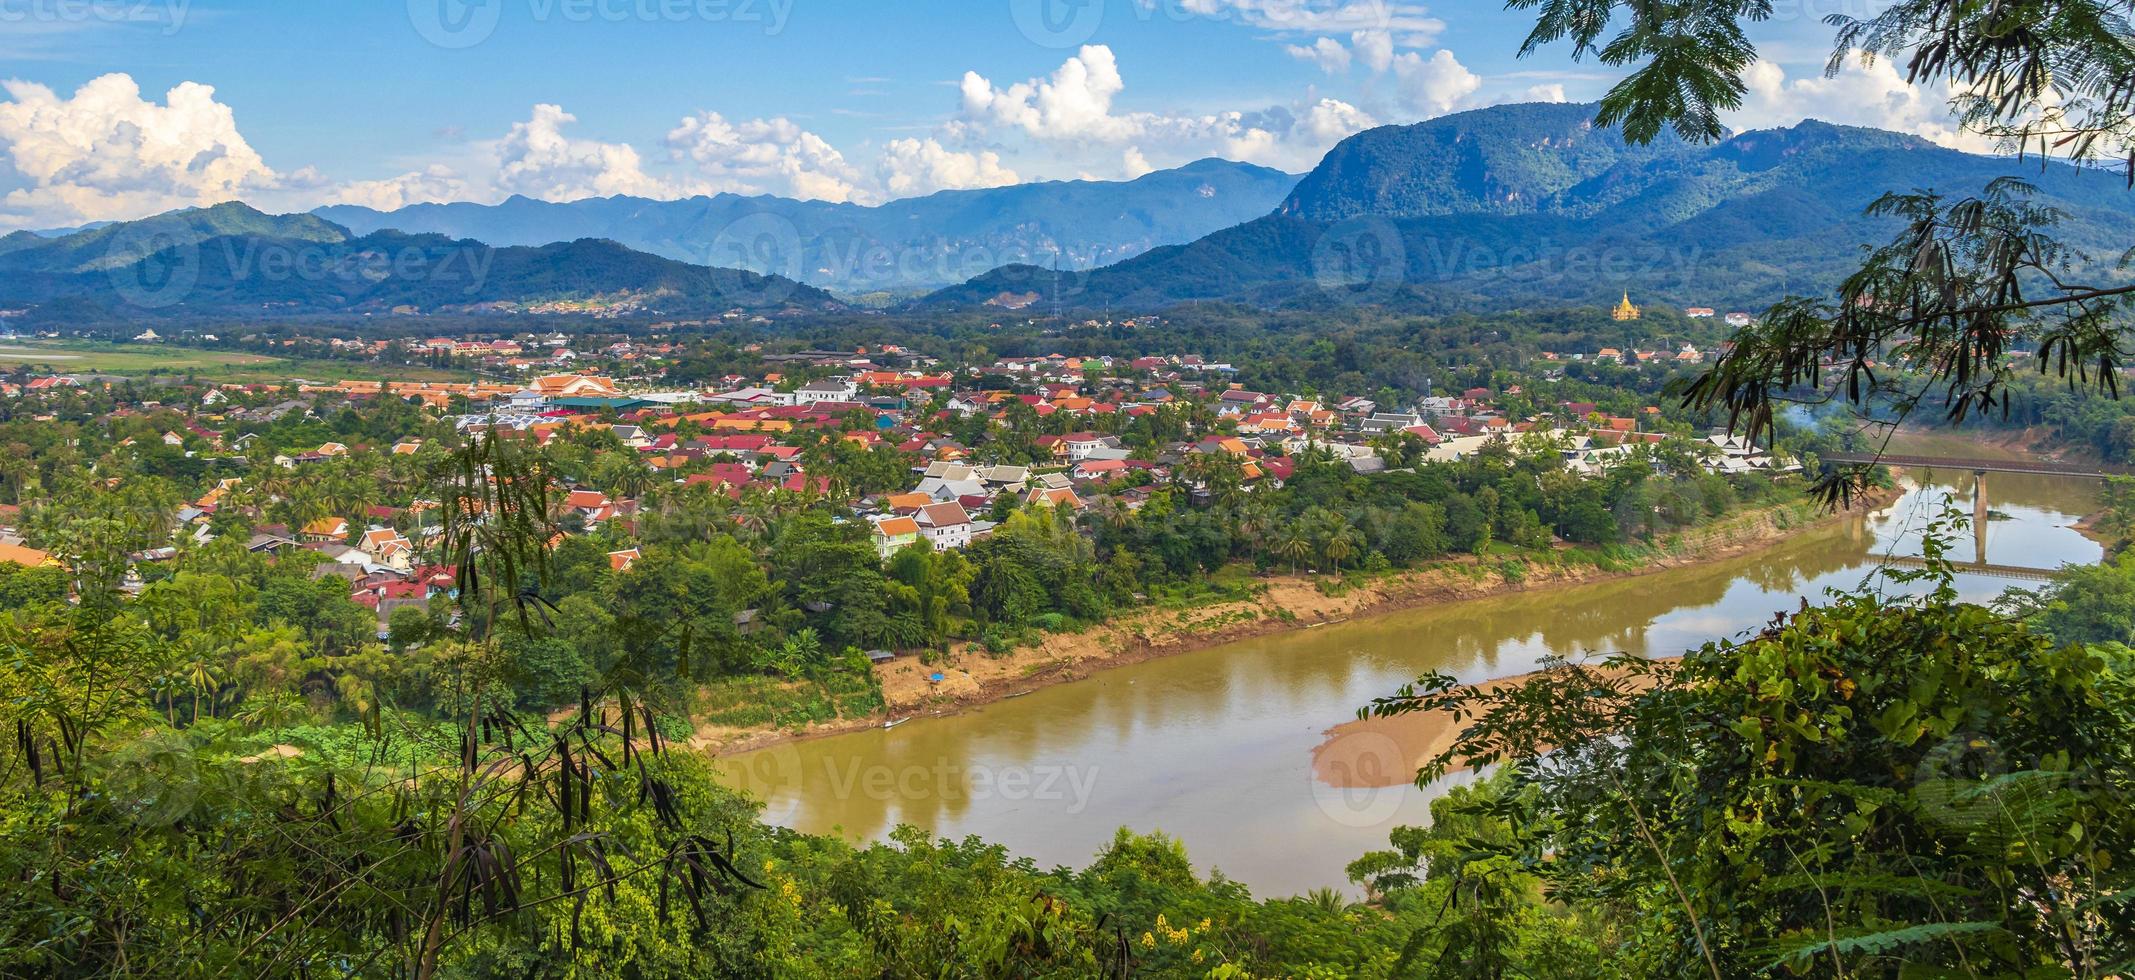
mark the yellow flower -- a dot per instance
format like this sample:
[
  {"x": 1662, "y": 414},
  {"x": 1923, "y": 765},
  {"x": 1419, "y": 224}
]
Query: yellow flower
[{"x": 1148, "y": 941}]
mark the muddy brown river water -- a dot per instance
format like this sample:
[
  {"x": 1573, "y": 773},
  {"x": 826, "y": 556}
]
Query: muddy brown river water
[{"x": 1215, "y": 746}]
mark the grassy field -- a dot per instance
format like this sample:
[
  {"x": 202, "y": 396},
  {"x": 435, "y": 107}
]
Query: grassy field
[{"x": 90, "y": 357}]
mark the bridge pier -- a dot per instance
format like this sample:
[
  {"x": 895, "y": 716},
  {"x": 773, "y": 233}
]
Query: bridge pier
[{"x": 1979, "y": 516}]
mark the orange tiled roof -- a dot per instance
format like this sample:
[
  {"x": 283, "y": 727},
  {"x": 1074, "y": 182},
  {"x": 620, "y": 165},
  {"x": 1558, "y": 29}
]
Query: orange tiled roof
[{"x": 21, "y": 555}]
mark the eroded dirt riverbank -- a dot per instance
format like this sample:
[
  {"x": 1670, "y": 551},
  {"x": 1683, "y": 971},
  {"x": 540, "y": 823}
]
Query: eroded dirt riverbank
[{"x": 1280, "y": 604}]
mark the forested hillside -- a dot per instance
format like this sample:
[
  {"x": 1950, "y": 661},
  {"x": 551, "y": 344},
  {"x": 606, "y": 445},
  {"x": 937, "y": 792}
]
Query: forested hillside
[
  {"x": 231, "y": 260},
  {"x": 1532, "y": 205}
]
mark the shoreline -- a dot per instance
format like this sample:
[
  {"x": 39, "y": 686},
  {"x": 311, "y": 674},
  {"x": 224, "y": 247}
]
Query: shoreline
[
  {"x": 1376, "y": 753},
  {"x": 1281, "y": 604}
]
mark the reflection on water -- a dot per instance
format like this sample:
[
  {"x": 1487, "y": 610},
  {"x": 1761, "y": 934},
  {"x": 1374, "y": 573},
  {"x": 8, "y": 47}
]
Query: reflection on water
[{"x": 1215, "y": 746}]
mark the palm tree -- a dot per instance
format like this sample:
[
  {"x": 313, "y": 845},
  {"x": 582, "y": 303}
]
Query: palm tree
[
  {"x": 17, "y": 470},
  {"x": 1293, "y": 545},
  {"x": 302, "y": 506},
  {"x": 1254, "y": 519},
  {"x": 347, "y": 491},
  {"x": 273, "y": 709},
  {"x": 1327, "y": 900},
  {"x": 754, "y": 518},
  {"x": 1340, "y": 544},
  {"x": 205, "y": 679},
  {"x": 633, "y": 480}
]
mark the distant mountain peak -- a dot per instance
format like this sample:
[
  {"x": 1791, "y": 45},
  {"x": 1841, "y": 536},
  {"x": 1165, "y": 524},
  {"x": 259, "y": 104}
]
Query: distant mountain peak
[
  {"x": 929, "y": 241},
  {"x": 1503, "y": 159},
  {"x": 1535, "y": 205}
]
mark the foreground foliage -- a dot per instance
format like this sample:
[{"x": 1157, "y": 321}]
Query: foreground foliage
[
  {"x": 130, "y": 846},
  {"x": 1879, "y": 786}
]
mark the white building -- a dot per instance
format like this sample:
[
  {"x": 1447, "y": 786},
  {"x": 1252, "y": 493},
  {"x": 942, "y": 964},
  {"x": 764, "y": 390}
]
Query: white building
[
  {"x": 829, "y": 390},
  {"x": 945, "y": 525}
]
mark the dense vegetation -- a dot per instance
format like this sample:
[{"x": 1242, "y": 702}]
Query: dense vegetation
[
  {"x": 224, "y": 774},
  {"x": 1801, "y": 801}
]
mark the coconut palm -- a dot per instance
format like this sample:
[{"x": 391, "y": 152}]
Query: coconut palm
[
  {"x": 1254, "y": 517},
  {"x": 1327, "y": 900},
  {"x": 271, "y": 709},
  {"x": 1341, "y": 542},
  {"x": 1292, "y": 544},
  {"x": 205, "y": 680}
]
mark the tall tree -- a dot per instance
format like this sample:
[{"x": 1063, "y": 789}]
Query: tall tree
[{"x": 1972, "y": 274}]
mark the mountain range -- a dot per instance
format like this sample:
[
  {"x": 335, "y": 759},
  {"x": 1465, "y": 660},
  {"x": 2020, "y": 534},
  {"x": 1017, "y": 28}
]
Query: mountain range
[
  {"x": 234, "y": 260},
  {"x": 1506, "y": 207},
  {"x": 1525, "y": 205},
  {"x": 904, "y": 246}
]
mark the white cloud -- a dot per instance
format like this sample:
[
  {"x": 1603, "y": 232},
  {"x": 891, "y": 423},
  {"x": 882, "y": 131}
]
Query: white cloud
[
  {"x": 1069, "y": 118},
  {"x": 1435, "y": 85},
  {"x": 1411, "y": 22},
  {"x": 1074, "y": 102},
  {"x": 1327, "y": 53},
  {"x": 432, "y": 184},
  {"x": 764, "y": 156},
  {"x": 1546, "y": 92},
  {"x": 106, "y": 153},
  {"x": 536, "y": 159},
  {"x": 1859, "y": 95},
  {"x": 1133, "y": 164},
  {"x": 1374, "y": 48},
  {"x": 914, "y": 166},
  {"x": 1329, "y": 121}
]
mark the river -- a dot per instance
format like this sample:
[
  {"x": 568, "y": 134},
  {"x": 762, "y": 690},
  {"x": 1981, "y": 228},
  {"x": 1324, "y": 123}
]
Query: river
[{"x": 1215, "y": 746}]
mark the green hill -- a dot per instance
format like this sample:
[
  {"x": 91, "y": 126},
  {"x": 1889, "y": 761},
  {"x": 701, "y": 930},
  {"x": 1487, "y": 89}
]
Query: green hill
[
  {"x": 122, "y": 243},
  {"x": 1527, "y": 205},
  {"x": 234, "y": 260}
]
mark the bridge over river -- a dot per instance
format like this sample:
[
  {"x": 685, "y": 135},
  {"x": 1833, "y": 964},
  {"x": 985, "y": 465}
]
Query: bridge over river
[
  {"x": 1979, "y": 469},
  {"x": 2041, "y": 467},
  {"x": 1979, "y": 568}
]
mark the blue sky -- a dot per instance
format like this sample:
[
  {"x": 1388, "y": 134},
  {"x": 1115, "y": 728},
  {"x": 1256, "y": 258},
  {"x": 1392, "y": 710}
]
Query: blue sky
[{"x": 116, "y": 108}]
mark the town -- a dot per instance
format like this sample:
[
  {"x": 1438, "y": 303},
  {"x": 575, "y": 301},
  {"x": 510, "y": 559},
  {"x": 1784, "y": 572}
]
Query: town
[{"x": 910, "y": 448}]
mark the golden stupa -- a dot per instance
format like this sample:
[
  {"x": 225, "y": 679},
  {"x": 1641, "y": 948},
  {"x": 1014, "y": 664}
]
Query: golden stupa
[{"x": 1624, "y": 310}]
